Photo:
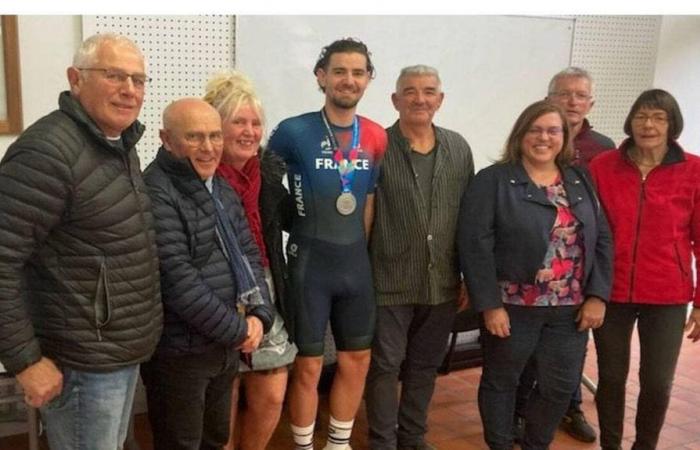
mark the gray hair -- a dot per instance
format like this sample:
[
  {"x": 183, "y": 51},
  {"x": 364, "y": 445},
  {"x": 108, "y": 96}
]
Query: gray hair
[
  {"x": 86, "y": 55},
  {"x": 418, "y": 70},
  {"x": 572, "y": 71}
]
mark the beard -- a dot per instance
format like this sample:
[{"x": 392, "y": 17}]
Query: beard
[{"x": 344, "y": 102}]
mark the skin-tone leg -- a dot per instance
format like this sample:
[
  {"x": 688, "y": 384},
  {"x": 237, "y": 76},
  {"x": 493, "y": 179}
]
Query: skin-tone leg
[
  {"x": 349, "y": 384},
  {"x": 234, "y": 410},
  {"x": 303, "y": 394},
  {"x": 264, "y": 399}
]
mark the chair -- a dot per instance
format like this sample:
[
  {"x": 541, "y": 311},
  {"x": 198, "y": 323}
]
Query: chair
[
  {"x": 14, "y": 395},
  {"x": 463, "y": 348}
]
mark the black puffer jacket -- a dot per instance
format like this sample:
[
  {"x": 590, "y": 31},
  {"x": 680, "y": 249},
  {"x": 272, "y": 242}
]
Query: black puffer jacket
[
  {"x": 199, "y": 291},
  {"x": 78, "y": 260}
]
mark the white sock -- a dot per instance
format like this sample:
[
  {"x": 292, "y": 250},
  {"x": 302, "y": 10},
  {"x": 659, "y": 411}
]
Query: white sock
[
  {"x": 339, "y": 434},
  {"x": 303, "y": 436}
]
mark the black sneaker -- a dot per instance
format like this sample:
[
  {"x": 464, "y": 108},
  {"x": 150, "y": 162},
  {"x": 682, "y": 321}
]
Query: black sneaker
[{"x": 576, "y": 426}]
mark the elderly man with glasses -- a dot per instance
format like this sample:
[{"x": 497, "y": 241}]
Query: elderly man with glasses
[
  {"x": 572, "y": 90},
  {"x": 215, "y": 299},
  {"x": 79, "y": 286}
]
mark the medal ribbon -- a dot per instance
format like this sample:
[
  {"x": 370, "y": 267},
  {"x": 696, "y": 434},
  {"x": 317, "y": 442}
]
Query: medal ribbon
[{"x": 346, "y": 165}]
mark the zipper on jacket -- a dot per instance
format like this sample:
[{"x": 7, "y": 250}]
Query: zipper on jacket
[
  {"x": 153, "y": 269},
  {"x": 636, "y": 235},
  {"x": 684, "y": 273}
]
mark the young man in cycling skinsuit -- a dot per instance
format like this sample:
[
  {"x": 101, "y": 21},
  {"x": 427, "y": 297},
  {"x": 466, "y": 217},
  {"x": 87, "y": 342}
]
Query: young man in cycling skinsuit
[{"x": 332, "y": 158}]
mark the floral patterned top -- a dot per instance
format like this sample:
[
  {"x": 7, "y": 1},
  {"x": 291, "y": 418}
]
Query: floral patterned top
[{"x": 558, "y": 282}]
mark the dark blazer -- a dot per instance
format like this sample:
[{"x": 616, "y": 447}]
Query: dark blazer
[
  {"x": 504, "y": 232},
  {"x": 276, "y": 210}
]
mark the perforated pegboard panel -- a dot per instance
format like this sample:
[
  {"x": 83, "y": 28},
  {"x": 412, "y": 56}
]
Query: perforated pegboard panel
[
  {"x": 620, "y": 54},
  {"x": 182, "y": 52}
]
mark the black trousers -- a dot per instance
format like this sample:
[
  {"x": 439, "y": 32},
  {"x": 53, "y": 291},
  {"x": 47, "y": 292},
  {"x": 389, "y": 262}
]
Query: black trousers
[
  {"x": 189, "y": 399},
  {"x": 660, "y": 330}
]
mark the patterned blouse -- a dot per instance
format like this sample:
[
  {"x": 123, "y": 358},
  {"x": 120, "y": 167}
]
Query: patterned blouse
[{"x": 558, "y": 282}]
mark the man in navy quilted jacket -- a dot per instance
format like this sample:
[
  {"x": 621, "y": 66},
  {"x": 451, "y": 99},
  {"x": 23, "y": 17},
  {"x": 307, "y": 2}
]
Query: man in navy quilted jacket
[{"x": 215, "y": 299}]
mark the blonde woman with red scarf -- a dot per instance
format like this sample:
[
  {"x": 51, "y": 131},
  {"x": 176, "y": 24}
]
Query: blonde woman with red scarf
[{"x": 257, "y": 178}]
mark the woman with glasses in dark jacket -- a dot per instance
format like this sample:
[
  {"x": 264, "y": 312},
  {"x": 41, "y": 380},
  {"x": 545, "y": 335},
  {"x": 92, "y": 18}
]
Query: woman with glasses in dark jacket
[{"x": 536, "y": 254}]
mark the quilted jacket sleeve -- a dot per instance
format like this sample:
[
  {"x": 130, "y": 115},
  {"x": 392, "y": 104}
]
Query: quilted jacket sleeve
[{"x": 34, "y": 188}]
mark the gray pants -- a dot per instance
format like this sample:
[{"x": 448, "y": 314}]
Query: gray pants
[{"x": 409, "y": 345}]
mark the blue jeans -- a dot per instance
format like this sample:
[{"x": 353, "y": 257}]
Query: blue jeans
[
  {"x": 527, "y": 384},
  {"x": 549, "y": 335},
  {"x": 93, "y": 410}
]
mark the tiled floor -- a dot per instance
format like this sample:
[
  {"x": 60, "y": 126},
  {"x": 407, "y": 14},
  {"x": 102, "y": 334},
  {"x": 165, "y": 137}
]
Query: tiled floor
[{"x": 454, "y": 418}]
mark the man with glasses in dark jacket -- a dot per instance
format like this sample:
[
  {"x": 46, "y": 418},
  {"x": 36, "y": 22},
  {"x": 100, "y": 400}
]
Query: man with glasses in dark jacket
[
  {"x": 79, "y": 288},
  {"x": 215, "y": 299}
]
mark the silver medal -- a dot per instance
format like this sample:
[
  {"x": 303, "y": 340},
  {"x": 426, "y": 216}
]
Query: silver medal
[{"x": 346, "y": 203}]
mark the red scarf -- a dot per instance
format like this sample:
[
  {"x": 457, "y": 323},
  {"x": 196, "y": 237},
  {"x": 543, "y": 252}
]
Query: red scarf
[{"x": 246, "y": 183}]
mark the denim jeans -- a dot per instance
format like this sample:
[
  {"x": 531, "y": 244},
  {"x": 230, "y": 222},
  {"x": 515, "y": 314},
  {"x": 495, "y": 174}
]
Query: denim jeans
[
  {"x": 189, "y": 398},
  {"x": 549, "y": 335},
  {"x": 527, "y": 384},
  {"x": 410, "y": 342},
  {"x": 93, "y": 410},
  {"x": 660, "y": 329}
]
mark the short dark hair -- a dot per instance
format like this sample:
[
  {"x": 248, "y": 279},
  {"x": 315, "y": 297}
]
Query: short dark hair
[
  {"x": 513, "y": 152},
  {"x": 657, "y": 99},
  {"x": 345, "y": 45}
]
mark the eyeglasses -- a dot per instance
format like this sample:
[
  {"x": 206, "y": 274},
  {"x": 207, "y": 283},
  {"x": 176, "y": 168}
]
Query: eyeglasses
[
  {"x": 118, "y": 77},
  {"x": 656, "y": 119},
  {"x": 194, "y": 138},
  {"x": 551, "y": 131},
  {"x": 578, "y": 96}
]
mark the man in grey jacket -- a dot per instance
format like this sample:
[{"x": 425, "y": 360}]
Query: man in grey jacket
[
  {"x": 79, "y": 287},
  {"x": 426, "y": 169}
]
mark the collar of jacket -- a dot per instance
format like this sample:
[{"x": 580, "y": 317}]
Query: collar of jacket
[
  {"x": 517, "y": 175},
  {"x": 272, "y": 167},
  {"x": 404, "y": 145},
  {"x": 675, "y": 153},
  {"x": 72, "y": 107},
  {"x": 181, "y": 167},
  {"x": 186, "y": 180},
  {"x": 585, "y": 127}
]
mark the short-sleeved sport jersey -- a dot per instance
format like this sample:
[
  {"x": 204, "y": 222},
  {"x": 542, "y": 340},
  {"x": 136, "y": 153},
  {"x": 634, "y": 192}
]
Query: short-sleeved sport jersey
[{"x": 314, "y": 181}]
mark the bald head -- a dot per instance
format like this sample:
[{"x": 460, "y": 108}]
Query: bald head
[{"x": 192, "y": 130}]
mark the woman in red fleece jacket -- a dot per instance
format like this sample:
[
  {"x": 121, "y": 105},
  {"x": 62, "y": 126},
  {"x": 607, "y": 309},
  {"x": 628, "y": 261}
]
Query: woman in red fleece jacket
[{"x": 650, "y": 190}]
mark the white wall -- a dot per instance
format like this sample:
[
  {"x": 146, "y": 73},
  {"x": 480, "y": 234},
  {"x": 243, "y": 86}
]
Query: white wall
[
  {"x": 678, "y": 71},
  {"x": 46, "y": 46},
  {"x": 485, "y": 63}
]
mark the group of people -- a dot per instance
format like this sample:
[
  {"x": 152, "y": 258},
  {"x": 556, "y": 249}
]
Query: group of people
[{"x": 179, "y": 275}]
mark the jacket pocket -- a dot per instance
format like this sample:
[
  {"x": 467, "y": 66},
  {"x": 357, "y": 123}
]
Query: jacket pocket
[{"x": 102, "y": 305}]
